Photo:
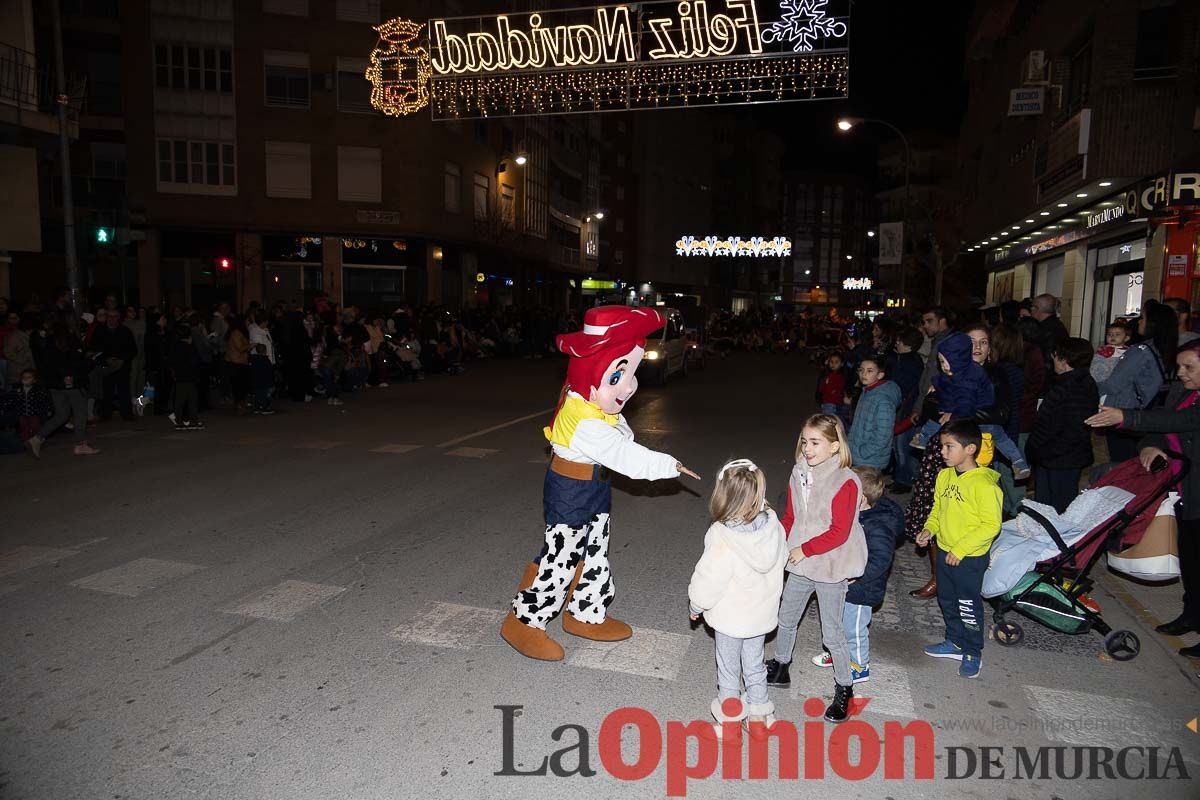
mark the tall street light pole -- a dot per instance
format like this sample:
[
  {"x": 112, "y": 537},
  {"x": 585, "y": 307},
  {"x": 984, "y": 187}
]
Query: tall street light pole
[
  {"x": 847, "y": 124},
  {"x": 61, "y": 101}
]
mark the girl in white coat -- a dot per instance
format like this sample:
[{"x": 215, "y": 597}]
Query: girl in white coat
[{"x": 736, "y": 586}]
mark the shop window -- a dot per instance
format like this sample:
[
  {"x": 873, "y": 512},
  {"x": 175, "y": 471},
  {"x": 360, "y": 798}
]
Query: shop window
[
  {"x": 1156, "y": 55},
  {"x": 1048, "y": 276}
]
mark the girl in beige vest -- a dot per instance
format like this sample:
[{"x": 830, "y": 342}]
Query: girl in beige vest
[{"x": 827, "y": 550}]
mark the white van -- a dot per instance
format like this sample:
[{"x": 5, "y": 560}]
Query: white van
[{"x": 668, "y": 350}]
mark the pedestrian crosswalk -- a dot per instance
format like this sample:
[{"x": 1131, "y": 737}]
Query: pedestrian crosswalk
[
  {"x": 897, "y": 690},
  {"x": 136, "y": 577},
  {"x": 286, "y": 601}
]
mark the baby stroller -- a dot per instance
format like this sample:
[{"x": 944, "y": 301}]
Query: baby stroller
[{"x": 1045, "y": 576}]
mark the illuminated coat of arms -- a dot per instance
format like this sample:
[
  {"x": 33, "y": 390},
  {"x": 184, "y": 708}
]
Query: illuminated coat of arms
[{"x": 400, "y": 69}]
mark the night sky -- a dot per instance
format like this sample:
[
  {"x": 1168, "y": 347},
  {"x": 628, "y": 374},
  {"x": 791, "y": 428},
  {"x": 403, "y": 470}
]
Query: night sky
[{"x": 906, "y": 66}]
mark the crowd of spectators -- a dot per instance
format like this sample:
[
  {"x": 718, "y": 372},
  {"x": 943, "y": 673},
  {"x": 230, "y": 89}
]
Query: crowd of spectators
[{"x": 61, "y": 371}]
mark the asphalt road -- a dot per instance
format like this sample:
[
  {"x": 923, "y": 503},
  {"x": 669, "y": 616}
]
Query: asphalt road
[{"x": 307, "y": 606}]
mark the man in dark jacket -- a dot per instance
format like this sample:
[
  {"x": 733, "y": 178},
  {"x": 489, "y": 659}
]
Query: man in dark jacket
[
  {"x": 65, "y": 373},
  {"x": 116, "y": 348},
  {"x": 1060, "y": 445},
  {"x": 1051, "y": 328},
  {"x": 883, "y": 523}
]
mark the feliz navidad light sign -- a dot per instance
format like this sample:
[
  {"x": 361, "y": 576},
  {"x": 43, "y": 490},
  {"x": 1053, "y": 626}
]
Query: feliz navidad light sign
[{"x": 658, "y": 54}]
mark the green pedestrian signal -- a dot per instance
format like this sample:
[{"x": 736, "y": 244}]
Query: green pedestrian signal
[{"x": 104, "y": 235}]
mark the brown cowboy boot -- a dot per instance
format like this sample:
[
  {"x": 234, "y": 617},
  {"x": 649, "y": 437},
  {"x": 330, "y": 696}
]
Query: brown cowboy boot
[
  {"x": 611, "y": 630},
  {"x": 929, "y": 589},
  {"x": 527, "y": 640}
]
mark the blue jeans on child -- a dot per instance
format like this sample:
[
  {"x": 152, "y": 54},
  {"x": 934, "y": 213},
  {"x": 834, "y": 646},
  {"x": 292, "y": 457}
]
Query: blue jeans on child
[
  {"x": 1000, "y": 438},
  {"x": 857, "y": 620}
]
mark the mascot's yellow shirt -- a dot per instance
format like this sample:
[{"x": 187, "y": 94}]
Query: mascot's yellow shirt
[{"x": 574, "y": 410}]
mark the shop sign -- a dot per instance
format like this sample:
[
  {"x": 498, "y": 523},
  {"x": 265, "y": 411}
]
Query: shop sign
[
  {"x": 1163, "y": 192},
  {"x": 1027, "y": 102},
  {"x": 591, "y": 283},
  {"x": 1110, "y": 214},
  {"x": 1177, "y": 266}
]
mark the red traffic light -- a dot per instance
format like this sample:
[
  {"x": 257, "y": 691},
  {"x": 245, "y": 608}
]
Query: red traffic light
[{"x": 224, "y": 264}]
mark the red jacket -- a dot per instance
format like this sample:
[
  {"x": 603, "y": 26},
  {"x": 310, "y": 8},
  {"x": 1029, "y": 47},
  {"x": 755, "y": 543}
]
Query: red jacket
[{"x": 832, "y": 388}]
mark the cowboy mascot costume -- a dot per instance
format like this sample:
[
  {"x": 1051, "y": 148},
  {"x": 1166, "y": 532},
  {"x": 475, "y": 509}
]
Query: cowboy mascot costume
[{"x": 590, "y": 440}]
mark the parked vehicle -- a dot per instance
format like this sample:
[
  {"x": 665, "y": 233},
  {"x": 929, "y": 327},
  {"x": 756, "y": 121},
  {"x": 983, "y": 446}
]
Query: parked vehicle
[{"x": 668, "y": 349}]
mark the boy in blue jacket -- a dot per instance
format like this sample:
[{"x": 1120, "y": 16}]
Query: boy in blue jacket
[
  {"x": 882, "y": 522},
  {"x": 964, "y": 388}
]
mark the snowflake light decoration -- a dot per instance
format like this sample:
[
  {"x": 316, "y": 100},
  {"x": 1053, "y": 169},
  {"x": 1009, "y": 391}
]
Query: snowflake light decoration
[{"x": 803, "y": 22}]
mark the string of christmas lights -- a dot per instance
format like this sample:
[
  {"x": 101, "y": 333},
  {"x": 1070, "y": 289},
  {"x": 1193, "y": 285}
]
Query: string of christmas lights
[{"x": 642, "y": 86}]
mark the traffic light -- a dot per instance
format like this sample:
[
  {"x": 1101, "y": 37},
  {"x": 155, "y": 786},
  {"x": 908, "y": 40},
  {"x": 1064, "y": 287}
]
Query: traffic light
[
  {"x": 105, "y": 235},
  {"x": 224, "y": 264}
]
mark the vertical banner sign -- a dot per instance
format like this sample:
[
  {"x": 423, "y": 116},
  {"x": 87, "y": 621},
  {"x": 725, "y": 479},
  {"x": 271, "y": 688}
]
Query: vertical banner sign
[
  {"x": 657, "y": 54},
  {"x": 891, "y": 243}
]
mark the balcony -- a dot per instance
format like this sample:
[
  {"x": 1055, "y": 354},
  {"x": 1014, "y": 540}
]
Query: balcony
[{"x": 27, "y": 95}]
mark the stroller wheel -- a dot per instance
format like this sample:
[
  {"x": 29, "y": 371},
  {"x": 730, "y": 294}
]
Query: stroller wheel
[
  {"x": 1008, "y": 634},
  {"x": 1122, "y": 645}
]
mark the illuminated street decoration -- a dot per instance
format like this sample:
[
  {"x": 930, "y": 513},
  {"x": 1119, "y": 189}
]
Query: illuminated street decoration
[
  {"x": 399, "y": 71},
  {"x": 857, "y": 284},
  {"x": 655, "y": 54},
  {"x": 804, "y": 23},
  {"x": 734, "y": 246}
]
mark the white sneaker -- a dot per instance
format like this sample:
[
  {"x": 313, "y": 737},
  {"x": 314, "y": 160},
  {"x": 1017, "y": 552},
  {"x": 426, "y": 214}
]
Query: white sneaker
[
  {"x": 383, "y": 386},
  {"x": 171, "y": 417},
  {"x": 823, "y": 659}
]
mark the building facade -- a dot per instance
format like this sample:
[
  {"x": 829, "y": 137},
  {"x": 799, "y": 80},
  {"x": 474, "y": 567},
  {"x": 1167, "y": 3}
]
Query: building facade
[
  {"x": 229, "y": 151},
  {"x": 1079, "y": 155}
]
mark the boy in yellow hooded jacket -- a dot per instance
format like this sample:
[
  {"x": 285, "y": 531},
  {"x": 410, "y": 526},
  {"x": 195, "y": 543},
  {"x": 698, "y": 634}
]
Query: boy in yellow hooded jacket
[{"x": 965, "y": 520}]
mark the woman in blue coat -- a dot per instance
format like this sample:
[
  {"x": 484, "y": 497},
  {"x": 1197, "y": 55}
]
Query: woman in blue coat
[{"x": 871, "y": 432}]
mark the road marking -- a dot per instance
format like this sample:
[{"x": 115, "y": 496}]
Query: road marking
[
  {"x": 494, "y": 428},
  {"x": 888, "y": 689},
  {"x": 397, "y": 448},
  {"x": 29, "y": 556},
  {"x": 1080, "y": 718},
  {"x": 286, "y": 601},
  {"x": 452, "y": 625},
  {"x": 471, "y": 452},
  {"x": 136, "y": 577},
  {"x": 655, "y": 654},
  {"x": 318, "y": 444}
]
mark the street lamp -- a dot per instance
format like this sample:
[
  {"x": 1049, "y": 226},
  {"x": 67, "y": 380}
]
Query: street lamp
[
  {"x": 521, "y": 159},
  {"x": 846, "y": 124}
]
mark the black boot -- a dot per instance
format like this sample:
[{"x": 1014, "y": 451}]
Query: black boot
[
  {"x": 1176, "y": 627},
  {"x": 839, "y": 709},
  {"x": 777, "y": 675}
]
